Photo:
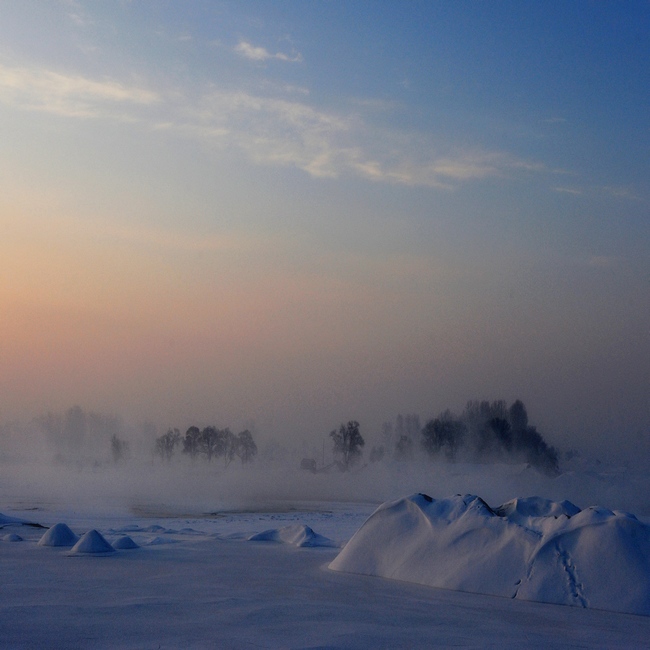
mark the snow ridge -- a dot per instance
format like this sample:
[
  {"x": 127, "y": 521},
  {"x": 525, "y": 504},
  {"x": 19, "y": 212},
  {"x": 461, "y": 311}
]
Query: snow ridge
[{"x": 530, "y": 549}]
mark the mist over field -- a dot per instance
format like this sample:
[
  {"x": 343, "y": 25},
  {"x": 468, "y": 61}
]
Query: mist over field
[
  {"x": 253, "y": 217},
  {"x": 85, "y": 460}
]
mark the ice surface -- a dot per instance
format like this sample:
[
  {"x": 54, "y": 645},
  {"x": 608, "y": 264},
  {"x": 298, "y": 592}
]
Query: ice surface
[
  {"x": 530, "y": 549},
  {"x": 92, "y": 543},
  {"x": 296, "y": 534},
  {"x": 59, "y": 535}
]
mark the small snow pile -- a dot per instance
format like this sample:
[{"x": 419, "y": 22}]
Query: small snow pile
[
  {"x": 125, "y": 543},
  {"x": 531, "y": 549},
  {"x": 93, "y": 542},
  {"x": 296, "y": 534},
  {"x": 58, "y": 535},
  {"x": 12, "y": 537}
]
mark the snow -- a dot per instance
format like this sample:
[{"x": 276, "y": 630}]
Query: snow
[
  {"x": 124, "y": 543},
  {"x": 92, "y": 543},
  {"x": 213, "y": 589},
  {"x": 59, "y": 535},
  {"x": 8, "y": 521},
  {"x": 297, "y": 534},
  {"x": 197, "y": 582},
  {"x": 530, "y": 549},
  {"x": 12, "y": 537}
]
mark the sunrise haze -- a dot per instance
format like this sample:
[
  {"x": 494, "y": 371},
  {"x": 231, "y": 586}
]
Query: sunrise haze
[{"x": 295, "y": 214}]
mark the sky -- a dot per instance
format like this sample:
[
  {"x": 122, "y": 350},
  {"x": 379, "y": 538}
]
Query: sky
[{"x": 296, "y": 214}]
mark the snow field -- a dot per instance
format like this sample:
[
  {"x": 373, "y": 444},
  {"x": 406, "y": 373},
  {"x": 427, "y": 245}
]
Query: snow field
[{"x": 196, "y": 582}]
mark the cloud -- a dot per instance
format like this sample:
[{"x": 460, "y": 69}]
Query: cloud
[
  {"x": 254, "y": 53},
  {"x": 77, "y": 13},
  {"x": 600, "y": 190},
  {"x": 278, "y": 128},
  {"x": 568, "y": 190},
  {"x": 67, "y": 94},
  {"x": 620, "y": 192}
]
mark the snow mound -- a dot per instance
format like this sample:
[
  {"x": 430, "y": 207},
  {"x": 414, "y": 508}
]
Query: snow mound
[
  {"x": 125, "y": 543},
  {"x": 6, "y": 520},
  {"x": 59, "y": 535},
  {"x": 93, "y": 542},
  {"x": 531, "y": 549},
  {"x": 296, "y": 534},
  {"x": 12, "y": 537},
  {"x": 523, "y": 511}
]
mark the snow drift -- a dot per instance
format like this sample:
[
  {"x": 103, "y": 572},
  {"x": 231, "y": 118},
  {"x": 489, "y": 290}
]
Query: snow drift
[
  {"x": 531, "y": 549},
  {"x": 59, "y": 535},
  {"x": 295, "y": 534},
  {"x": 5, "y": 520},
  {"x": 92, "y": 543},
  {"x": 125, "y": 543}
]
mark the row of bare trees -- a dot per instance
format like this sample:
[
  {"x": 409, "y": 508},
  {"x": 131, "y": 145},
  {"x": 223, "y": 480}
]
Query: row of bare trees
[{"x": 210, "y": 443}]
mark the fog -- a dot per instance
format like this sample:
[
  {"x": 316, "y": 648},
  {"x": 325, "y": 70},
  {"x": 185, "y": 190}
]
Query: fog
[{"x": 83, "y": 472}]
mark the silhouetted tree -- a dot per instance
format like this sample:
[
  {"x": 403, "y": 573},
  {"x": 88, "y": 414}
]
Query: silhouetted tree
[
  {"x": 444, "y": 434},
  {"x": 191, "y": 442},
  {"x": 246, "y": 447},
  {"x": 490, "y": 430},
  {"x": 227, "y": 445},
  {"x": 209, "y": 442},
  {"x": 166, "y": 444},
  {"x": 404, "y": 448},
  {"x": 518, "y": 417},
  {"x": 501, "y": 432},
  {"x": 347, "y": 443}
]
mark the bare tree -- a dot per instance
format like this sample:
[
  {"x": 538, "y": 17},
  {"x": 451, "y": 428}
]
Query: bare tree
[
  {"x": 166, "y": 444},
  {"x": 246, "y": 447},
  {"x": 347, "y": 443},
  {"x": 191, "y": 442},
  {"x": 209, "y": 442}
]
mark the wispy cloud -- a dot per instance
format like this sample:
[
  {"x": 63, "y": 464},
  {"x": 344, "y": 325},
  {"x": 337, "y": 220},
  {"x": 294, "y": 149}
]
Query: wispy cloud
[
  {"x": 568, "y": 190},
  {"x": 620, "y": 192},
  {"x": 260, "y": 54},
  {"x": 77, "y": 13},
  {"x": 66, "y": 94},
  {"x": 591, "y": 191},
  {"x": 274, "y": 129}
]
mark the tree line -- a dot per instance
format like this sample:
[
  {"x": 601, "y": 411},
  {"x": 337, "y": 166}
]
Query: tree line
[
  {"x": 484, "y": 431},
  {"x": 210, "y": 443}
]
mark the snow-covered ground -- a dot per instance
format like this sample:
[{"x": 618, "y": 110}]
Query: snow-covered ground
[{"x": 197, "y": 580}]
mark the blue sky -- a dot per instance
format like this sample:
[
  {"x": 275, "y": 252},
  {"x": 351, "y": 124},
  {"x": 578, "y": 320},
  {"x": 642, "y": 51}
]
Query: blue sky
[{"x": 301, "y": 213}]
